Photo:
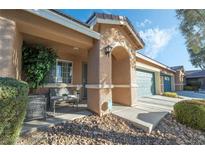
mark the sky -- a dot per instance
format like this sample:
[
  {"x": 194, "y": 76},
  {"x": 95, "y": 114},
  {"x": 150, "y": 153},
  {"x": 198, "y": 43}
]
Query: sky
[{"x": 158, "y": 28}]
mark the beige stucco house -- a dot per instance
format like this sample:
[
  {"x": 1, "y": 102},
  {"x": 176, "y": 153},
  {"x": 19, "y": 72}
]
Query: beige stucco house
[
  {"x": 119, "y": 76},
  {"x": 179, "y": 77}
]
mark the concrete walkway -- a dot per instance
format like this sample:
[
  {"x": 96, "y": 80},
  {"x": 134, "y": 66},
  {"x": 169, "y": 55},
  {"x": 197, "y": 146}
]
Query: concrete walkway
[
  {"x": 34, "y": 125},
  {"x": 148, "y": 111}
]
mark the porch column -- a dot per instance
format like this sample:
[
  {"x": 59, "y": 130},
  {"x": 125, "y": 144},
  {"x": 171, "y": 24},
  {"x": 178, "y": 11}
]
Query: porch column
[
  {"x": 133, "y": 86},
  {"x": 99, "y": 80},
  {"x": 10, "y": 49},
  {"x": 157, "y": 83},
  {"x": 172, "y": 83}
]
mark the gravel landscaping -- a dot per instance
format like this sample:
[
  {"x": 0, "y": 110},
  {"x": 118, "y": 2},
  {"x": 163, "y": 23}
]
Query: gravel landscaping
[{"x": 110, "y": 129}]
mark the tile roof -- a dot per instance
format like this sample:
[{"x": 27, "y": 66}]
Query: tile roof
[
  {"x": 69, "y": 17},
  {"x": 177, "y": 67},
  {"x": 114, "y": 17}
]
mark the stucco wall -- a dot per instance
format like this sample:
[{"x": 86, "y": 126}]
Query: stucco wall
[
  {"x": 64, "y": 52},
  {"x": 10, "y": 49},
  {"x": 121, "y": 76},
  {"x": 100, "y": 75},
  {"x": 179, "y": 80},
  {"x": 40, "y": 27}
]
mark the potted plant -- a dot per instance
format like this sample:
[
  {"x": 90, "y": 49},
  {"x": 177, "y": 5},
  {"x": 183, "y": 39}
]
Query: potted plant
[
  {"x": 37, "y": 60},
  {"x": 64, "y": 96}
]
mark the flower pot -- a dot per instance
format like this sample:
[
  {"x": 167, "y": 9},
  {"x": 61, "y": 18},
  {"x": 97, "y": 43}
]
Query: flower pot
[{"x": 36, "y": 108}]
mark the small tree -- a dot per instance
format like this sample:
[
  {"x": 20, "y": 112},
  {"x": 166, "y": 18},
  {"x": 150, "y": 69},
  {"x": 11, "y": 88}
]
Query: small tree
[
  {"x": 192, "y": 27},
  {"x": 37, "y": 62}
]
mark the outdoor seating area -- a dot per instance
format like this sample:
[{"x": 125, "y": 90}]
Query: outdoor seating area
[
  {"x": 56, "y": 102},
  {"x": 62, "y": 97},
  {"x": 67, "y": 108}
]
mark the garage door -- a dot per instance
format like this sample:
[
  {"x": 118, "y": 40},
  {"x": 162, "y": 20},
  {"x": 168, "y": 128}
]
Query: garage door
[{"x": 145, "y": 83}]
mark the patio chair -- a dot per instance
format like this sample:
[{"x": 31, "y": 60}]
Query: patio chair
[{"x": 61, "y": 95}]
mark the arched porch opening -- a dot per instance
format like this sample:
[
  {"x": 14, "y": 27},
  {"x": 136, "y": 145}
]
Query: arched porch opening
[{"x": 121, "y": 76}]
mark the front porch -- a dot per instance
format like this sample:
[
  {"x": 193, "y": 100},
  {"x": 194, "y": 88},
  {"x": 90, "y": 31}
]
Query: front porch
[
  {"x": 34, "y": 125},
  {"x": 66, "y": 108},
  {"x": 82, "y": 60}
]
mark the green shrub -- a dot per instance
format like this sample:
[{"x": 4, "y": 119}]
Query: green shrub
[
  {"x": 188, "y": 88},
  {"x": 170, "y": 94},
  {"x": 191, "y": 113},
  {"x": 37, "y": 62},
  {"x": 194, "y": 83},
  {"x": 191, "y": 88},
  {"x": 13, "y": 102}
]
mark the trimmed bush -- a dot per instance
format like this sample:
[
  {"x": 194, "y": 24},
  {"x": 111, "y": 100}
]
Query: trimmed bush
[
  {"x": 191, "y": 113},
  {"x": 191, "y": 88},
  {"x": 170, "y": 94},
  {"x": 13, "y": 103},
  {"x": 188, "y": 88}
]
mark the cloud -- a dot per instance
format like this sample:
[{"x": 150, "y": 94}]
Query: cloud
[
  {"x": 156, "y": 39},
  {"x": 144, "y": 23}
]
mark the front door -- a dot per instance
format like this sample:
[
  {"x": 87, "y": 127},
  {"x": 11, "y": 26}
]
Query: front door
[
  {"x": 84, "y": 80},
  {"x": 167, "y": 83}
]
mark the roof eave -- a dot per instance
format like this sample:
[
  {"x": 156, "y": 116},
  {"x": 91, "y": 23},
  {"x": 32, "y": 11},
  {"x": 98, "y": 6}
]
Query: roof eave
[
  {"x": 154, "y": 62},
  {"x": 52, "y": 16},
  {"x": 94, "y": 20}
]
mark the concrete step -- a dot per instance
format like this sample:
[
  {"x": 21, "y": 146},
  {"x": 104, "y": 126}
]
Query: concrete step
[
  {"x": 142, "y": 118},
  {"x": 151, "y": 108},
  {"x": 154, "y": 105}
]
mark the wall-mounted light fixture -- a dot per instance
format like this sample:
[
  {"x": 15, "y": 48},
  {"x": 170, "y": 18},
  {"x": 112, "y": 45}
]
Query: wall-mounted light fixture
[{"x": 108, "y": 50}]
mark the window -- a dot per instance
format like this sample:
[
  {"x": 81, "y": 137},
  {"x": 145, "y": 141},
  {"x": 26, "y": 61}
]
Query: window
[{"x": 61, "y": 72}]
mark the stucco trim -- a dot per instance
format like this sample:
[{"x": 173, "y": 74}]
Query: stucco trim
[
  {"x": 60, "y": 85},
  {"x": 49, "y": 15},
  {"x": 115, "y": 22},
  {"x": 179, "y": 84},
  {"x": 121, "y": 86},
  {"x": 105, "y": 86},
  {"x": 142, "y": 66},
  {"x": 153, "y": 61},
  {"x": 98, "y": 86}
]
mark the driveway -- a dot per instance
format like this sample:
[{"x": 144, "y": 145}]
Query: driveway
[
  {"x": 148, "y": 111},
  {"x": 191, "y": 94}
]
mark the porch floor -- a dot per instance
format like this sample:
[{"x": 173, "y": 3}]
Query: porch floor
[{"x": 63, "y": 114}]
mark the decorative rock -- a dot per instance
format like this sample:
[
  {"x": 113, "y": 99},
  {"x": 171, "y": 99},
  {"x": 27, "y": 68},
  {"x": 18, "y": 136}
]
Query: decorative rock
[
  {"x": 110, "y": 129},
  {"x": 202, "y": 137}
]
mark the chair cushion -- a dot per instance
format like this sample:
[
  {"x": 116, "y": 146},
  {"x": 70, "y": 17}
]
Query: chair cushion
[
  {"x": 59, "y": 92},
  {"x": 72, "y": 96},
  {"x": 56, "y": 97}
]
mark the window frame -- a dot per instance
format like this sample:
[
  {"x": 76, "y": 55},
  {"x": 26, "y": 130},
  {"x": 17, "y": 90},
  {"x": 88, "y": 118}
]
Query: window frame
[{"x": 66, "y": 61}]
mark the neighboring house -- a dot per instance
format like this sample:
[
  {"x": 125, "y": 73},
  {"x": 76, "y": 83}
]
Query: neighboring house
[
  {"x": 196, "y": 76},
  {"x": 179, "y": 77},
  {"x": 101, "y": 55}
]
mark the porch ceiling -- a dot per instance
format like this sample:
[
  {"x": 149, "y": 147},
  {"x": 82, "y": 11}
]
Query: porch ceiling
[
  {"x": 65, "y": 48},
  {"x": 36, "y": 26}
]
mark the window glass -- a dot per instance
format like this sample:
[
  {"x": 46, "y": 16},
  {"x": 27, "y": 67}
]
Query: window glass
[{"x": 61, "y": 73}]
